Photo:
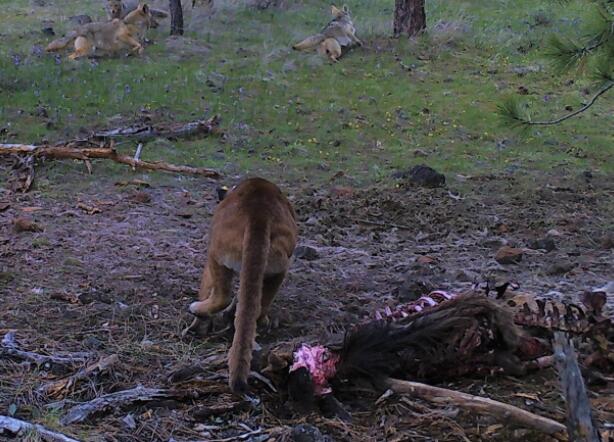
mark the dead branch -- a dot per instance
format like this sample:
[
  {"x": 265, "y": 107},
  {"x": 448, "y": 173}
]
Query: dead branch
[
  {"x": 580, "y": 424},
  {"x": 504, "y": 412},
  {"x": 143, "y": 132},
  {"x": 9, "y": 347},
  {"x": 62, "y": 386},
  {"x": 119, "y": 399},
  {"x": 18, "y": 427},
  {"x": 67, "y": 151}
]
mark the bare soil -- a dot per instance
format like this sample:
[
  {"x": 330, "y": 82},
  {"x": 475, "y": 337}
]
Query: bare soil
[{"x": 118, "y": 281}]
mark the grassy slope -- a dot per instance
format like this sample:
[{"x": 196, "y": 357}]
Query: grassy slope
[{"x": 293, "y": 115}]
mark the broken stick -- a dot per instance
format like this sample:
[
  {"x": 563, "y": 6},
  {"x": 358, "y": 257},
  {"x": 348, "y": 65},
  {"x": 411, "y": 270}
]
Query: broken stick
[
  {"x": 57, "y": 388},
  {"x": 17, "y": 427},
  {"x": 143, "y": 132},
  {"x": 482, "y": 405},
  {"x": 580, "y": 424},
  {"x": 9, "y": 347},
  {"x": 66, "y": 151}
]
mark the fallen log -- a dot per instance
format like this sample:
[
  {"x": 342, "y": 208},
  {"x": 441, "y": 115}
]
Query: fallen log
[
  {"x": 9, "y": 347},
  {"x": 16, "y": 427},
  {"x": 580, "y": 424},
  {"x": 478, "y": 404},
  {"x": 144, "y": 132},
  {"x": 57, "y": 388},
  {"x": 68, "y": 151}
]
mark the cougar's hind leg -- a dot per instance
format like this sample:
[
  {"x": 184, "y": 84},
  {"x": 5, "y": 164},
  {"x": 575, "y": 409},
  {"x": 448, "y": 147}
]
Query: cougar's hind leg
[
  {"x": 270, "y": 287},
  {"x": 215, "y": 293}
]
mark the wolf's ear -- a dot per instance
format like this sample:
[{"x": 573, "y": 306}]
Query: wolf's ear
[
  {"x": 145, "y": 8},
  {"x": 345, "y": 8},
  {"x": 334, "y": 10}
]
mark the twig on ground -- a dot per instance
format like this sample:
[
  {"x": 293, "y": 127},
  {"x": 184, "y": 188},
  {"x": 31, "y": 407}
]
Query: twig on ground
[
  {"x": 62, "y": 386},
  {"x": 18, "y": 427},
  {"x": 388, "y": 225},
  {"x": 580, "y": 424},
  {"x": 9, "y": 347},
  {"x": 504, "y": 412}
]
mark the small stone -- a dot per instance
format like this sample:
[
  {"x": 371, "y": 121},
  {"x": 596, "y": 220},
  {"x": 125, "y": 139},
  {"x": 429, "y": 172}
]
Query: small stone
[
  {"x": 554, "y": 232},
  {"x": 312, "y": 221},
  {"x": 79, "y": 20},
  {"x": 509, "y": 255},
  {"x": 307, "y": 433},
  {"x": 426, "y": 176},
  {"x": 342, "y": 191},
  {"x": 560, "y": 268},
  {"x": 215, "y": 81},
  {"x": 141, "y": 197},
  {"x": 607, "y": 242},
  {"x": 129, "y": 421},
  {"x": 306, "y": 252},
  {"x": 26, "y": 225},
  {"x": 93, "y": 343},
  {"x": 425, "y": 260},
  {"x": 546, "y": 244}
]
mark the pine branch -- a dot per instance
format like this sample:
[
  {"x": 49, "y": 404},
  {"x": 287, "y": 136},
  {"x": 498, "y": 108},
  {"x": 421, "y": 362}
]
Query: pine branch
[{"x": 514, "y": 114}]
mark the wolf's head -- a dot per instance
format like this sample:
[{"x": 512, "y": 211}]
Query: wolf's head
[
  {"x": 340, "y": 13},
  {"x": 115, "y": 8},
  {"x": 141, "y": 17}
]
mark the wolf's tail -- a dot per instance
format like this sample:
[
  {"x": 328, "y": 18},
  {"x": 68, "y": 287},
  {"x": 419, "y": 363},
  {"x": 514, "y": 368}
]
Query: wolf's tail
[{"x": 309, "y": 42}]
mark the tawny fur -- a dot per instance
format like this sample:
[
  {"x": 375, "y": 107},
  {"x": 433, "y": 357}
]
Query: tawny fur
[
  {"x": 340, "y": 28},
  {"x": 253, "y": 233},
  {"x": 331, "y": 49},
  {"x": 108, "y": 37}
]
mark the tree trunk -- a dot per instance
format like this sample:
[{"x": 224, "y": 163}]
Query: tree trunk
[
  {"x": 176, "y": 17},
  {"x": 409, "y": 17}
]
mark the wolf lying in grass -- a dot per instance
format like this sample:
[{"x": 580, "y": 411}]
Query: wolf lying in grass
[
  {"x": 337, "y": 33},
  {"x": 108, "y": 37}
]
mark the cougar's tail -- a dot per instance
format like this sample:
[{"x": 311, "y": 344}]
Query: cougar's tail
[
  {"x": 309, "y": 42},
  {"x": 256, "y": 244}
]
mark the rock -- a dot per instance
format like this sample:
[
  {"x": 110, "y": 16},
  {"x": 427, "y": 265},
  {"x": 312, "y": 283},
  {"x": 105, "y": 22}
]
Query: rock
[
  {"x": 93, "y": 343},
  {"x": 78, "y": 20},
  {"x": 422, "y": 175},
  {"x": 26, "y": 225},
  {"x": 289, "y": 66},
  {"x": 306, "y": 252},
  {"x": 342, "y": 191},
  {"x": 140, "y": 197},
  {"x": 216, "y": 81},
  {"x": 607, "y": 242},
  {"x": 554, "y": 232},
  {"x": 307, "y": 433},
  {"x": 312, "y": 221},
  {"x": 560, "y": 268},
  {"x": 546, "y": 244},
  {"x": 425, "y": 260},
  {"x": 416, "y": 283},
  {"x": 509, "y": 255}
]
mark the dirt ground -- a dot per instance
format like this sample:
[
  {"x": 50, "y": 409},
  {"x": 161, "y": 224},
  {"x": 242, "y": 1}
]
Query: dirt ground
[{"x": 119, "y": 281}]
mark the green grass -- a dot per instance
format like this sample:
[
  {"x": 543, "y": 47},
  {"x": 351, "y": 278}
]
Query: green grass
[{"x": 293, "y": 115}]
